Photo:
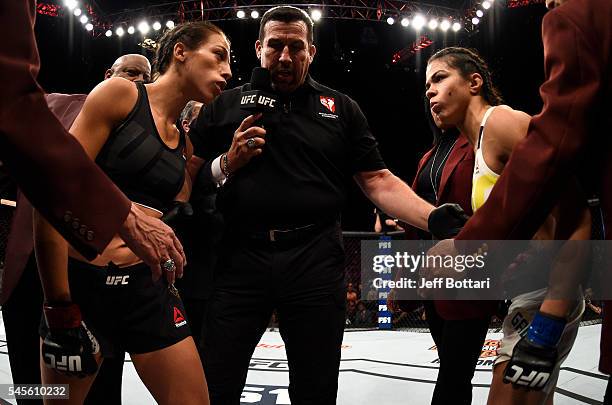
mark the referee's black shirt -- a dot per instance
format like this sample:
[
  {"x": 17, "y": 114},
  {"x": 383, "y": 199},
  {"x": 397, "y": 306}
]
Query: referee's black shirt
[{"x": 316, "y": 140}]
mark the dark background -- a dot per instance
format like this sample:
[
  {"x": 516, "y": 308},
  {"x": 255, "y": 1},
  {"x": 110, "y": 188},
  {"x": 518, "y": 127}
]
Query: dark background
[{"x": 391, "y": 96}]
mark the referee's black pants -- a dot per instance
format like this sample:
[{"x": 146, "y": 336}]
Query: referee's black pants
[
  {"x": 459, "y": 344},
  {"x": 304, "y": 281}
]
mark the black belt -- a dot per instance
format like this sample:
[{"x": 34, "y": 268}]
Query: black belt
[{"x": 283, "y": 235}]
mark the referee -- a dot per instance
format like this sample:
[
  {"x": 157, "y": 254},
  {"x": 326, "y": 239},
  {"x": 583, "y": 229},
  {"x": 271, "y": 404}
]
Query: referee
[{"x": 283, "y": 191}]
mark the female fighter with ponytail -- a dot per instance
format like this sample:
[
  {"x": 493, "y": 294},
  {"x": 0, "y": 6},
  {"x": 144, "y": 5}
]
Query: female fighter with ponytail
[
  {"x": 111, "y": 304},
  {"x": 538, "y": 331}
]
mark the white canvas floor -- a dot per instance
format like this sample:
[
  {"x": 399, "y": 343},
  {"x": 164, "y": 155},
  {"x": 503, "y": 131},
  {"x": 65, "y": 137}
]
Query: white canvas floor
[{"x": 382, "y": 368}]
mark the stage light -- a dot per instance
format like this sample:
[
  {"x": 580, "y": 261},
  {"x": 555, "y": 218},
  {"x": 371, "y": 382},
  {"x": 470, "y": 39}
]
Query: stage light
[
  {"x": 71, "y": 4},
  {"x": 157, "y": 26},
  {"x": 120, "y": 31},
  {"x": 77, "y": 12},
  {"x": 84, "y": 19},
  {"x": 456, "y": 26},
  {"x": 486, "y": 5},
  {"x": 445, "y": 25},
  {"x": 131, "y": 29},
  {"x": 108, "y": 33},
  {"x": 240, "y": 14},
  {"x": 475, "y": 20},
  {"x": 418, "y": 22},
  {"x": 433, "y": 24},
  {"x": 405, "y": 22},
  {"x": 144, "y": 27},
  {"x": 254, "y": 14},
  {"x": 89, "y": 27},
  {"x": 170, "y": 24},
  {"x": 316, "y": 14},
  {"x": 390, "y": 20},
  {"x": 479, "y": 13}
]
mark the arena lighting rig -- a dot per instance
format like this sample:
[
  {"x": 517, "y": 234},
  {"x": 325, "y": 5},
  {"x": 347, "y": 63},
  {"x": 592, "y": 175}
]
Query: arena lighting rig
[
  {"x": 151, "y": 21},
  {"x": 155, "y": 17}
]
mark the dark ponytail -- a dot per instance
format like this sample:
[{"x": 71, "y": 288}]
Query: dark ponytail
[{"x": 192, "y": 34}]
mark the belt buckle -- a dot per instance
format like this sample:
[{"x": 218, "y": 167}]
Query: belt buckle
[{"x": 271, "y": 233}]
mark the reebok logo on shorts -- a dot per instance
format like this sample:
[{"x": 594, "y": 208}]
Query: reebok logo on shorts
[{"x": 179, "y": 319}]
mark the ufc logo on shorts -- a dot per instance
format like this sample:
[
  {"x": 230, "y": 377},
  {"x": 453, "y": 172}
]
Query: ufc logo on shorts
[
  {"x": 535, "y": 379},
  {"x": 116, "y": 280},
  {"x": 65, "y": 363}
]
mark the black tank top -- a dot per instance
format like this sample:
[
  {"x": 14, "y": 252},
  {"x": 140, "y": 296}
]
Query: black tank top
[{"x": 139, "y": 162}]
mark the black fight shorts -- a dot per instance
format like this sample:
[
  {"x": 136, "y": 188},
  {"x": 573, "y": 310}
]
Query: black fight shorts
[{"x": 125, "y": 309}]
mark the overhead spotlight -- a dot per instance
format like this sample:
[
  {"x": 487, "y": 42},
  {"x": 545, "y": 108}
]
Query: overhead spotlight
[
  {"x": 89, "y": 27},
  {"x": 83, "y": 19},
  {"x": 156, "y": 25},
  {"x": 418, "y": 22},
  {"x": 433, "y": 24},
  {"x": 254, "y": 14},
  {"x": 131, "y": 30},
  {"x": 445, "y": 25},
  {"x": 475, "y": 20},
  {"x": 71, "y": 4},
  {"x": 144, "y": 27},
  {"x": 390, "y": 20},
  {"x": 119, "y": 31},
  {"x": 479, "y": 13},
  {"x": 240, "y": 14},
  {"x": 316, "y": 14},
  {"x": 405, "y": 22},
  {"x": 108, "y": 33},
  {"x": 77, "y": 12},
  {"x": 456, "y": 26},
  {"x": 486, "y": 5},
  {"x": 170, "y": 24}
]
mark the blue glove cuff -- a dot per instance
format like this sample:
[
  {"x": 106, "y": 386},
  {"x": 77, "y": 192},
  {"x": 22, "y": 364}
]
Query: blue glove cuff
[{"x": 545, "y": 330}]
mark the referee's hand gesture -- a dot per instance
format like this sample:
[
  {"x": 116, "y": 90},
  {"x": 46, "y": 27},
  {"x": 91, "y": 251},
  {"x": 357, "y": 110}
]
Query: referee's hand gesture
[{"x": 248, "y": 141}]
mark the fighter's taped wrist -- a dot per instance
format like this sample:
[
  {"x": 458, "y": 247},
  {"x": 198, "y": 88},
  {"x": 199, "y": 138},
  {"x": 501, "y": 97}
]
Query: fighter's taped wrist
[
  {"x": 62, "y": 315},
  {"x": 546, "y": 330}
]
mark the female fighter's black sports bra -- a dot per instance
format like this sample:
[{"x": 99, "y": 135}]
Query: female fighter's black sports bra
[{"x": 139, "y": 162}]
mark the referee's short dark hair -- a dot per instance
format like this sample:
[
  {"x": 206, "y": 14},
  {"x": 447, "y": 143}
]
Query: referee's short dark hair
[{"x": 287, "y": 14}]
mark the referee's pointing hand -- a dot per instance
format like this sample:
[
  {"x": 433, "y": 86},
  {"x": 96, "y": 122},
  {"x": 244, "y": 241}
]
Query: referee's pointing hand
[{"x": 248, "y": 141}]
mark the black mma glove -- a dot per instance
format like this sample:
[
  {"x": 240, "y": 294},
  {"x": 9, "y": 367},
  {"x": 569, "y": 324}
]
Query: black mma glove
[
  {"x": 446, "y": 221},
  {"x": 178, "y": 211},
  {"x": 535, "y": 355},
  {"x": 68, "y": 347}
]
